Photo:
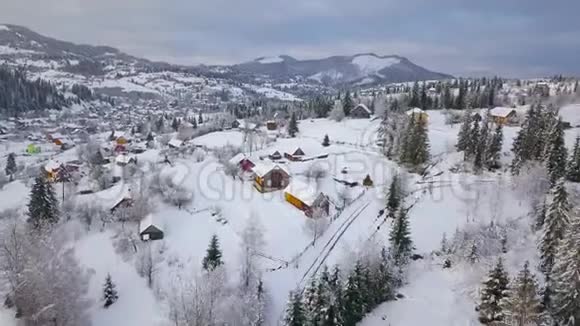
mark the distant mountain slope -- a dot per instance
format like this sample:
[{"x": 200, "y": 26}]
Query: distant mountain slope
[{"x": 362, "y": 68}]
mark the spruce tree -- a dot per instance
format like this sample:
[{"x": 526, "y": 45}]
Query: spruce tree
[
  {"x": 494, "y": 150},
  {"x": 421, "y": 141},
  {"x": 394, "y": 197},
  {"x": 464, "y": 132},
  {"x": 400, "y": 238},
  {"x": 494, "y": 292},
  {"x": 326, "y": 141},
  {"x": 353, "y": 306},
  {"x": 295, "y": 312},
  {"x": 573, "y": 173},
  {"x": 473, "y": 140},
  {"x": 347, "y": 104},
  {"x": 473, "y": 254},
  {"x": 213, "y": 257},
  {"x": 43, "y": 206},
  {"x": 528, "y": 144},
  {"x": 557, "y": 155},
  {"x": 110, "y": 295},
  {"x": 292, "y": 126},
  {"x": 415, "y": 100},
  {"x": 523, "y": 306},
  {"x": 175, "y": 124},
  {"x": 11, "y": 166},
  {"x": 565, "y": 280},
  {"x": 556, "y": 221},
  {"x": 200, "y": 119}
]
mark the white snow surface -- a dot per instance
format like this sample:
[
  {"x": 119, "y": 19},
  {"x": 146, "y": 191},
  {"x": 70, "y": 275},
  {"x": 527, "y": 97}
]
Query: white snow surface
[
  {"x": 369, "y": 64},
  {"x": 266, "y": 60}
]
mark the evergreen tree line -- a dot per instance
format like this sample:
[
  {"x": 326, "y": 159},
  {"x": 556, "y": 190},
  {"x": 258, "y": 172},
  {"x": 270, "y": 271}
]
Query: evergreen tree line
[
  {"x": 333, "y": 299},
  {"x": 541, "y": 140},
  {"x": 479, "y": 144},
  {"x": 19, "y": 95}
]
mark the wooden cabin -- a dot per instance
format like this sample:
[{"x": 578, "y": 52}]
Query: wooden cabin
[
  {"x": 271, "y": 125},
  {"x": 306, "y": 198},
  {"x": 360, "y": 111},
  {"x": 270, "y": 177},
  {"x": 242, "y": 162},
  {"x": 419, "y": 115},
  {"x": 149, "y": 230},
  {"x": 275, "y": 156},
  {"x": 502, "y": 115}
]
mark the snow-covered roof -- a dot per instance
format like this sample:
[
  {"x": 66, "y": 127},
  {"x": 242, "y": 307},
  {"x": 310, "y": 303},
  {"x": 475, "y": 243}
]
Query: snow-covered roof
[
  {"x": 52, "y": 165},
  {"x": 123, "y": 159},
  {"x": 305, "y": 192},
  {"x": 246, "y": 125},
  {"x": 146, "y": 222},
  {"x": 501, "y": 111},
  {"x": 364, "y": 107},
  {"x": 175, "y": 142},
  {"x": 239, "y": 157},
  {"x": 414, "y": 111},
  {"x": 262, "y": 168}
]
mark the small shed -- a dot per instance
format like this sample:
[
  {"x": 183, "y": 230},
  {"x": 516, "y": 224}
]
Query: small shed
[
  {"x": 275, "y": 156},
  {"x": 271, "y": 125},
  {"x": 149, "y": 230},
  {"x": 175, "y": 143},
  {"x": 360, "y": 111}
]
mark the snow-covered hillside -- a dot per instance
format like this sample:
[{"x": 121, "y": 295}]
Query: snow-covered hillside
[{"x": 444, "y": 200}]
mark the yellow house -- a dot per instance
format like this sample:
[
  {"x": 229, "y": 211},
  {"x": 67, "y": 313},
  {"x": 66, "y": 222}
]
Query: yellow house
[
  {"x": 270, "y": 177},
  {"x": 306, "y": 198},
  {"x": 418, "y": 114},
  {"x": 51, "y": 169}
]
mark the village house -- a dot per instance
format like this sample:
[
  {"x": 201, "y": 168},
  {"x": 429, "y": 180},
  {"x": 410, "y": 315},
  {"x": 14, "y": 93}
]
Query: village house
[
  {"x": 306, "y": 198},
  {"x": 297, "y": 155},
  {"x": 123, "y": 160},
  {"x": 175, "y": 143},
  {"x": 242, "y": 162},
  {"x": 418, "y": 114},
  {"x": 502, "y": 115},
  {"x": 51, "y": 169},
  {"x": 149, "y": 230},
  {"x": 360, "y": 111},
  {"x": 270, "y": 177},
  {"x": 275, "y": 156}
]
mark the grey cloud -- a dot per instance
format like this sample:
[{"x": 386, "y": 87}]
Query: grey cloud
[{"x": 517, "y": 37}]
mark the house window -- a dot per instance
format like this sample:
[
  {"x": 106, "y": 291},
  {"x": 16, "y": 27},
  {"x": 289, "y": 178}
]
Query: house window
[{"x": 145, "y": 237}]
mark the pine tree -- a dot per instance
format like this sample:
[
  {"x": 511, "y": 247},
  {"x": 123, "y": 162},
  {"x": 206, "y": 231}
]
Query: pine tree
[
  {"x": 293, "y": 126},
  {"x": 400, "y": 238},
  {"x": 493, "y": 294},
  {"x": 175, "y": 124},
  {"x": 557, "y": 155},
  {"x": 421, "y": 141},
  {"x": 494, "y": 150},
  {"x": 573, "y": 173},
  {"x": 523, "y": 306},
  {"x": 565, "y": 280},
  {"x": 415, "y": 100},
  {"x": 528, "y": 144},
  {"x": 556, "y": 221},
  {"x": 295, "y": 312},
  {"x": 213, "y": 257},
  {"x": 326, "y": 141},
  {"x": 481, "y": 147},
  {"x": 394, "y": 197},
  {"x": 200, "y": 119},
  {"x": 464, "y": 132},
  {"x": 11, "y": 166},
  {"x": 473, "y": 140},
  {"x": 43, "y": 206},
  {"x": 347, "y": 104},
  {"x": 194, "y": 123},
  {"x": 110, "y": 295},
  {"x": 353, "y": 307},
  {"x": 473, "y": 254}
]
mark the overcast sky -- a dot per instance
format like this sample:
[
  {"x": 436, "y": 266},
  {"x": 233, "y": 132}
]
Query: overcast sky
[{"x": 463, "y": 37}]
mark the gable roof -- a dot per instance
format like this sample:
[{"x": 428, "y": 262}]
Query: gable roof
[
  {"x": 305, "y": 192},
  {"x": 146, "y": 222},
  {"x": 363, "y": 106},
  {"x": 500, "y": 111},
  {"x": 415, "y": 111},
  {"x": 263, "y": 168},
  {"x": 174, "y": 142},
  {"x": 298, "y": 152}
]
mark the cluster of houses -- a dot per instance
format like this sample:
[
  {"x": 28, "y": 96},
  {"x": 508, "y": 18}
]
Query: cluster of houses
[{"x": 270, "y": 174}]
